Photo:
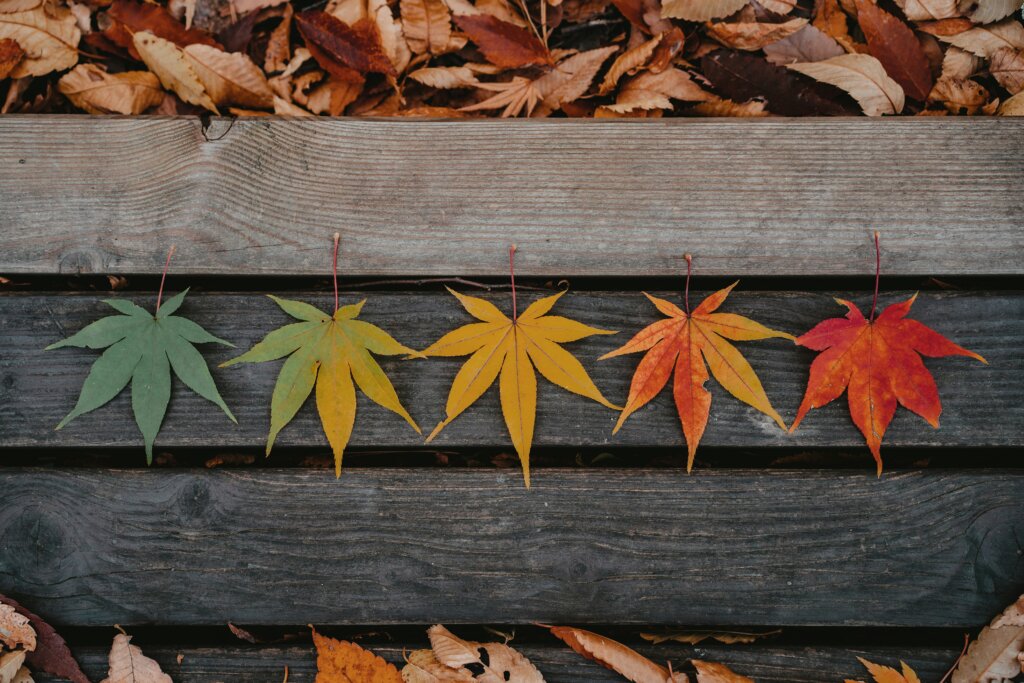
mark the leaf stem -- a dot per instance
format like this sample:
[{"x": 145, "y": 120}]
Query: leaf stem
[
  {"x": 334, "y": 269},
  {"x": 512, "y": 276},
  {"x": 878, "y": 273},
  {"x": 689, "y": 271},
  {"x": 163, "y": 278}
]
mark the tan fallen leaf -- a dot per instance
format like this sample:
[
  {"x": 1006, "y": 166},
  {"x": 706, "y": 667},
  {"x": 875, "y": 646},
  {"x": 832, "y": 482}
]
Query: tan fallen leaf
[
  {"x": 127, "y": 664},
  {"x": 279, "y": 43},
  {"x": 230, "y": 77},
  {"x": 993, "y": 655},
  {"x": 615, "y": 656},
  {"x": 514, "y": 97},
  {"x": 48, "y": 35},
  {"x": 957, "y": 63},
  {"x": 959, "y": 95},
  {"x": 503, "y": 664},
  {"x": 985, "y": 40},
  {"x": 1007, "y": 67},
  {"x": 782, "y": 7},
  {"x": 1013, "y": 106},
  {"x": 568, "y": 80},
  {"x": 656, "y": 91},
  {"x": 698, "y": 637},
  {"x": 628, "y": 63},
  {"x": 422, "y": 667},
  {"x": 22, "y": 676},
  {"x": 929, "y": 10},
  {"x": 95, "y": 91},
  {"x": 332, "y": 97},
  {"x": 283, "y": 107},
  {"x": 700, "y": 10},
  {"x": 809, "y": 44},
  {"x": 10, "y": 665},
  {"x": 713, "y": 672},
  {"x": 15, "y": 630},
  {"x": 18, "y": 5},
  {"x": 863, "y": 77},
  {"x": 753, "y": 35},
  {"x": 427, "y": 25},
  {"x": 987, "y": 11},
  {"x": 731, "y": 109},
  {"x": 446, "y": 77},
  {"x": 174, "y": 69},
  {"x": 391, "y": 37}
]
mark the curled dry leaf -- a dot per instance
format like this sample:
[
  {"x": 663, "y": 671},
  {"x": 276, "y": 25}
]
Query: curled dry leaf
[
  {"x": 863, "y": 77},
  {"x": 422, "y": 667},
  {"x": 1014, "y": 106},
  {"x": 15, "y": 630},
  {"x": 10, "y": 665},
  {"x": 95, "y": 91},
  {"x": 616, "y": 656},
  {"x": 490, "y": 662},
  {"x": 713, "y": 672},
  {"x": 957, "y": 63},
  {"x": 959, "y": 95},
  {"x": 279, "y": 43},
  {"x": 446, "y": 77},
  {"x": 1007, "y": 67},
  {"x": 831, "y": 20},
  {"x": 230, "y": 78},
  {"x": 174, "y": 69},
  {"x": 47, "y": 35},
  {"x": 700, "y": 10},
  {"x": 51, "y": 654},
  {"x": 628, "y": 62},
  {"x": 657, "y": 90},
  {"x": 503, "y": 43},
  {"x": 751, "y": 35},
  {"x": 127, "y": 664},
  {"x": 283, "y": 107},
  {"x": 339, "y": 661},
  {"x": 993, "y": 655},
  {"x": 984, "y": 41},
  {"x": 10, "y": 54},
  {"x": 892, "y": 43},
  {"x": 809, "y": 44},
  {"x": 427, "y": 25}
]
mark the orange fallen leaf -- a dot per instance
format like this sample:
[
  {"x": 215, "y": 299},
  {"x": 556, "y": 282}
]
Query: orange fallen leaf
[
  {"x": 503, "y": 43},
  {"x": 878, "y": 362},
  {"x": 885, "y": 674},
  {"x": 339, "y": 661},
  {"x": 616, "y": 656},
  {"x": 682, "y": 343},
  {"x": 713, "y": 672}
]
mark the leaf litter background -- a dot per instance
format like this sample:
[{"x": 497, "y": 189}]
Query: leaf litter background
[{"x": 473, "y": 58}]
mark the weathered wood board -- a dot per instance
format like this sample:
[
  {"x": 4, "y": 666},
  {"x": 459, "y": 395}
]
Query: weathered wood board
[
  {"x": 747, "y": 197},
  {"x": 981, "y": 403},
  {"x": 922, "y": 548}
]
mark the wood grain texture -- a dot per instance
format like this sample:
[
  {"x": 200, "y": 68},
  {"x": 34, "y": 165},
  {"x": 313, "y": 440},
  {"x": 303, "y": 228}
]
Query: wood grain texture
[
  {"x": 775, "y": 197},
  {"x": 765, "y": 663},
  {"x": 399, "y": 546},
  {"x": 982, "y": 404}
]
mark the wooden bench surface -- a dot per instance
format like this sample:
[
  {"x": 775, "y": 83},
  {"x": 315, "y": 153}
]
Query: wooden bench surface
[{"x": 814, "y": 543}]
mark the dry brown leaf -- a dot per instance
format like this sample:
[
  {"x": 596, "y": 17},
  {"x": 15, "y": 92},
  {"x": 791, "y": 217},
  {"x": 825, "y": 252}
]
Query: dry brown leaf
[
  {"x": 628, "y": 63},
  {"x": 700, "y": 10},
  {"x": 1014, "y": 106},
  {"x": 731, "y": 109},
  {"x": 985, "y": 40},
  {"x": 422, "y": 667},
  {"x": 18, "y": 5},
  {"x": 656, "y": 91},
  {"x": 10, "y": 665},
  {"x": 48, "y": 35},
  {"x": 504, "y": 665},
  {"x": 957, "y": 63},
  {"x": 781, "y": 7},
  {"x": 279, "y": 44},
  {"x": 928, "y": 10},
  {"x": 446, "y": 77},
  {"x": 809, "y": 44},
  {"x": 752, "y": 35},
  {"x": 95, "y": 91},
  {"x": 830, "y": 19},
  {"x": 15, "y": 630},
  {"x": 987, "y": 11},
  {"x": 230, "y": 77},
  {"x": 22, "y": 676},
  {"x": 10, "y": 54},
  {"x": 332, "y": 97},
  {"x": 283, "y": 107},
  {"x": 993, "y": 655},
  {"x": 863, "y": 77},
  {"x": 502, "y": 10},
  {"x": 339, "y": 661},
  {"x": 895, "y": 45},
  {"x": 571, "y": 77},
  {"x": 427, "y": 25},
  {"x": 616, "y": 656},
  {"x": 959, "y": 96},
  {"x": 174, "y": 69},
  {"x": 515, "y": 96},
  {"x": 1007, "y": 67},
  {"x": 713, "y": 672},
  {"x": 698, "y": 637},
  {"x": 127, "y": 664}
]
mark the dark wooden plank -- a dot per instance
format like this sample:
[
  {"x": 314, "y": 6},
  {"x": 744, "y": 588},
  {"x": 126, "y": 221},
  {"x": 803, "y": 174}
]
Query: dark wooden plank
[
  {"x": 920, "y": 548},
  {"x": 770, "y": 197},
  {"x": 982, "y": 404},
  {"x": 766, "y": 664}
]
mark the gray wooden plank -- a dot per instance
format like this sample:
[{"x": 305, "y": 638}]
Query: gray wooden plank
[
  {"x": 765, "y": 663},
  {"x": 410, "y": 546},
  {"x": 982, "y": 404},
  {"x": 770, "y": 197}
]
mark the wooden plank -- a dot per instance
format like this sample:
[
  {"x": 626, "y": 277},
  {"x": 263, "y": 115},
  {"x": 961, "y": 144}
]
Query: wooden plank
[
  {"x": 768, "y": 197},
  {"x": 981, "y": 403},
  {"x": 766, "y": 664},
  {"x": 921, "y": 548}
]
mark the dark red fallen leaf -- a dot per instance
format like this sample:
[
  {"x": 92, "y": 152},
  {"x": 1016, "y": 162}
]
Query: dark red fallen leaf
[
  {"x": 346, "y": 52},
  {"x": 894, "y": 44},
  {"x": 51, "y": 654},
  {"x": 743, "y": 77},
  {"x": 503, "y": 44},
  {"x": 128, "y": 17}
]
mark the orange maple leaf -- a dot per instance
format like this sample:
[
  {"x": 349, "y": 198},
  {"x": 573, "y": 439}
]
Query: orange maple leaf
[
  {"x": 878, "y": 362},
  {"x": 684, "y": 342},
  {"x": 339, "y": 661},
  {"x": 885, "y": 674}
]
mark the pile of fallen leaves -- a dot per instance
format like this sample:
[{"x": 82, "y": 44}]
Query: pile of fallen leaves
[
  {"x": 460, "y": 58},
  {"x": 17, "y": 639}
]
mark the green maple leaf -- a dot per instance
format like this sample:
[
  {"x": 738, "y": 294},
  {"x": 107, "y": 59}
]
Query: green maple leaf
[
  {"x": 142, "y": 348},
  {"x": 328, "y": 352}
]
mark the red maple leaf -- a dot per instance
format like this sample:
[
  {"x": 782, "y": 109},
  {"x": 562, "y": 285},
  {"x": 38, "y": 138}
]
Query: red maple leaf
[{"x": 878, "y": 363}]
